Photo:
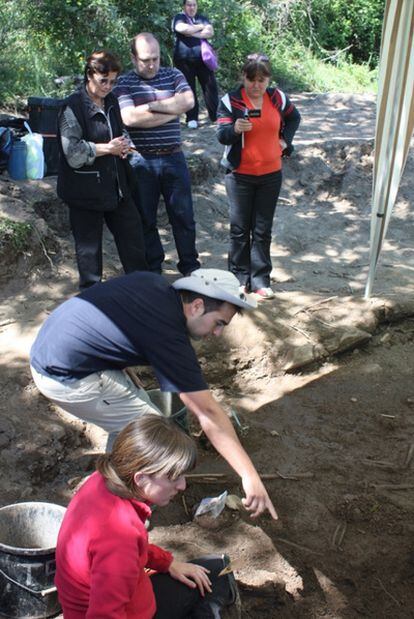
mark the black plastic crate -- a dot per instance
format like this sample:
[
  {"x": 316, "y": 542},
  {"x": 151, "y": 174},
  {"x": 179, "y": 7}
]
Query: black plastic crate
[{"x": 43, "y": 115}]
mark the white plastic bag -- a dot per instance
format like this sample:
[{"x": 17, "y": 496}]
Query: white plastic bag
[
  {"x": 35, "y": 160},
  {"x": 212, "y": 505}
]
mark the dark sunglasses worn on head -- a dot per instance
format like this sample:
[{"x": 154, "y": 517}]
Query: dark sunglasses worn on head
[{"x": 258, "y": 57}]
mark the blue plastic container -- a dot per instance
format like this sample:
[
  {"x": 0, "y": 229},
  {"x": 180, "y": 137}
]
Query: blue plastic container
[{"x": 16, "y": 166}]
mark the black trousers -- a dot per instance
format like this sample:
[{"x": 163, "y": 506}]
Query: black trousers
[
  {"x": 177, "y": 601},
  {"x": 252, "y": 201},
  {"x": 193, "y": 69},
  {"x": 87, "y": 228}
]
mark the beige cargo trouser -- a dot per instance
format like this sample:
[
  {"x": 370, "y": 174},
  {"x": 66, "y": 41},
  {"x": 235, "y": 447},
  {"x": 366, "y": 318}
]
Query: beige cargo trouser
[{"x": 109, "y": 399}]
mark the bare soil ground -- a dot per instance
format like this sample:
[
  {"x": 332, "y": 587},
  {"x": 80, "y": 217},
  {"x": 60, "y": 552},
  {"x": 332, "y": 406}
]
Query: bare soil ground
[{"x": 321, "y": 380}]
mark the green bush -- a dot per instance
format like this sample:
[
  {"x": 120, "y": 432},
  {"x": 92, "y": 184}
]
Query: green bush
[
  {"x": 313, "y": 44},
  {"x": 14, "y": 235}
]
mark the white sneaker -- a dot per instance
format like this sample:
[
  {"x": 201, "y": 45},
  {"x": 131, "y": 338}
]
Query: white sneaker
[
  {"x": 265, "y": 293},
  {"x": 192, "y": 124}
]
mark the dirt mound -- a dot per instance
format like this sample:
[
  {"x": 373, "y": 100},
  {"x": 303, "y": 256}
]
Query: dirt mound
[
  {"x": 332, "y": 429},
  {"x": 337, "y": 442}
]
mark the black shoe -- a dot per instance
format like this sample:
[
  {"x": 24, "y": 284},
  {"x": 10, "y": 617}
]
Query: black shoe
[
  {"x": 188, "y": 273},
  {"x": 225, "y": 594}
]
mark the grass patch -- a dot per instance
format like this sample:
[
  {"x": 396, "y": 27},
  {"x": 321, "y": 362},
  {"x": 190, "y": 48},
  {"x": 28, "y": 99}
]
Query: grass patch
[
  {"x": 14, "y": 235},
  {"x": 296, "y": 68}
]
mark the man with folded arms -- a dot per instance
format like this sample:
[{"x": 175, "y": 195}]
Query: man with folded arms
[{"x": 151, "y": 99}]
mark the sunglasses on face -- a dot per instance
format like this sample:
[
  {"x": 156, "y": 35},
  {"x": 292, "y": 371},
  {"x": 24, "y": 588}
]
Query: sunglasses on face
[{"x": 105, "y": 81}]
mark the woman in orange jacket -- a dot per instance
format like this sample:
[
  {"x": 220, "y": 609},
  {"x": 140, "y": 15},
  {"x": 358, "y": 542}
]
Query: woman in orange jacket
[{"x": 256, "y": 123}]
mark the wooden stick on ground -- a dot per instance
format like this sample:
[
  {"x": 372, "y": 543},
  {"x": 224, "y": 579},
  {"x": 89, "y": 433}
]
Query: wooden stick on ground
[
  {"x": 388, "y": 593},
  {"x": 342, "y": 535},
  {"x": 208, "y": 480},
  {"x": 187, "y": 513},
  {"x": 7, "y": 323},
  {"x": 393, "y": 486},
  {"x": 291, "y": 477},
  {"x": 338, "y": 535},
  {"x": 381, "y": 464},
  {"x": 322, "y": 322},
  {"x": 217, "y": 477},
  {"x": 299, "y": 331},
  {"x": 308, "y": 307},
  {"x": 409, "y": 457},
  {"x": 298, "y": 546},
  {"x": 43, "y": 246},
  {"x": 203, "y": 475}
]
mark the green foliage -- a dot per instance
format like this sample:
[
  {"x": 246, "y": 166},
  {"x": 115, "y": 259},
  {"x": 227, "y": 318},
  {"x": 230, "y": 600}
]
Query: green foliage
[
  {"x": 312, "y": 43},
  {"x": 14, "y": 235},
  {"x": 332, "y": 29}
]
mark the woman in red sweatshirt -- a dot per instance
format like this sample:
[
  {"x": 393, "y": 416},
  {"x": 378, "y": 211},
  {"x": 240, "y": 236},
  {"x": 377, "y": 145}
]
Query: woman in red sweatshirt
[{"x": 103, "y": 554}]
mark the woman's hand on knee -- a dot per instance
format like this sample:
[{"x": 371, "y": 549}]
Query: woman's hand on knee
[{"x": 192, "y": 575}]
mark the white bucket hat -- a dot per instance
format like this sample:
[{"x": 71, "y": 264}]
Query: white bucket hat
[{"x": 217, "y": 284}]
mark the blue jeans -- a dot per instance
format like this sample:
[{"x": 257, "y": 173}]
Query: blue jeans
[
  {"x": 166, "y": 175},
  {"x": 252, "y": 202}
]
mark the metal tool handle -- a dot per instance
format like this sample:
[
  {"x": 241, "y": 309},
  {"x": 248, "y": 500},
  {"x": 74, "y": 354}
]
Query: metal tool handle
[{"x": 42, "y": 593}]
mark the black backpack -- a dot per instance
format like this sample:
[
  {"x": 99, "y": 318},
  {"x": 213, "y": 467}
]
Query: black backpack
[{"x": 6, "y": 141}]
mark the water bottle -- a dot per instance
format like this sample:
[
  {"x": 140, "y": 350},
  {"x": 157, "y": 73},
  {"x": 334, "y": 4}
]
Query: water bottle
[{"x": 17, "y": 161}]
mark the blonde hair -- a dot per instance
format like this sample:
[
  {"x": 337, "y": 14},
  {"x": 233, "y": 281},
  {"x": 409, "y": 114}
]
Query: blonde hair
[{"x": 150, "y": 444}]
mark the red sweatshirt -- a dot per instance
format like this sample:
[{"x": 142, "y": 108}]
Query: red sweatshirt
[{"x": 101, "y": 553}]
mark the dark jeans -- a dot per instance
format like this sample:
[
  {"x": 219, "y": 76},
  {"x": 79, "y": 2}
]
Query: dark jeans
[
  {"x": 166, "y": 175},
  {"x": 193, "y": 69},
  {"x": 252, "y": 206},
  {"x": 126, "y": 227},
  {"x": 177, "y": 601}
]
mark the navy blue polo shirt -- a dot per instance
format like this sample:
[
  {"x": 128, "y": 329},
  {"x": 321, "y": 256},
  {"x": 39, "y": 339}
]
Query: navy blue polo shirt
[{"x": 136, "y": 319}]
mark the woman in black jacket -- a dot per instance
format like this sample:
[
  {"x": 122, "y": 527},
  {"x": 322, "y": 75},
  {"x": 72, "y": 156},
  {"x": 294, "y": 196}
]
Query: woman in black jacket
[
  {"x": 93, "y": 177},
  {"x": 257, "y": 124}
]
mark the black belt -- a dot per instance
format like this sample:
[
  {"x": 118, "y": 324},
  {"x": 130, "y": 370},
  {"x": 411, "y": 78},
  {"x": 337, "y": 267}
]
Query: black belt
[{"x": 159, "y": 151}]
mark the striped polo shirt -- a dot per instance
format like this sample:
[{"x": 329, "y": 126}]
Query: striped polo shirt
[{"x": 133, "y": 90}]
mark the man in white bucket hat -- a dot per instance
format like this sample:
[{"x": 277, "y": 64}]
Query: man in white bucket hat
[{"x": 80, "y": 355}]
